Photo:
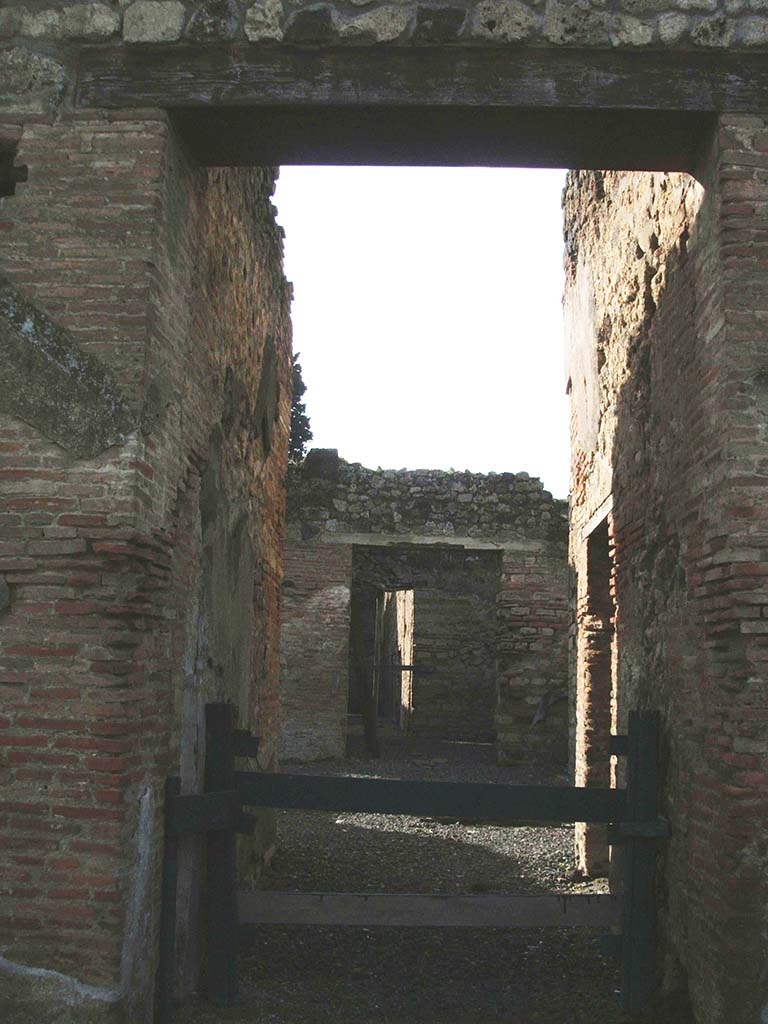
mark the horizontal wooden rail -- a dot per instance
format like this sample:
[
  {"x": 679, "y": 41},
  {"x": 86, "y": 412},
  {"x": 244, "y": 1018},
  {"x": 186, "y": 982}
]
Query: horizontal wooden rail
[
  {"x": 432, "y": 799},
  {"x": 407, "y": 910}
]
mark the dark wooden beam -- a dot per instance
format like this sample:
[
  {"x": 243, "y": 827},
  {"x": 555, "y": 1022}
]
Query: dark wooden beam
[
  {"x": 475, "y": 800},
  {"x": 242, "y": 104},
  {"x": 401, "y": 910},
  {"x": 239, "y": 75}
]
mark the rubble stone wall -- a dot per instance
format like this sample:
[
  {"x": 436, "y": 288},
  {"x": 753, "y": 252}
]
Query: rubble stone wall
[
  {"x": 665, "y": 301},
  {"x": 668, "y": 24},
  {"x": 140, "y": 570},
  {"x": 486, "y": 556}
]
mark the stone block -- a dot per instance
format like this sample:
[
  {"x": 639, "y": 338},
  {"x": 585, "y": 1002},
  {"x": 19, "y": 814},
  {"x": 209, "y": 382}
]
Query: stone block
[
  {"x": 30, "y": 83},
  {"x": 382, "y": 25},
  {"x": 153, "y": 21},
  {"x": 503, "y": 22},
  {"x": 263, "y": 21},
  {"x": 672, "y": 28},
  {"x": 576, "y": 24},
  {"x": 89, "y": 21}
]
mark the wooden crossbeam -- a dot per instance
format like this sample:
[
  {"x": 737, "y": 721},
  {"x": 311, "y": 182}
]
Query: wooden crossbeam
[
  {"x": 406, "y": 910},
  {"x": 477, "y": 800}
]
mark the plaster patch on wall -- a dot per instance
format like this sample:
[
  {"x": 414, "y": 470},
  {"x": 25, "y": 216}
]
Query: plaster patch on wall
[
  {"x": 136, "y": 964},
  {"x": 46, "y": 380},
  {"x": 60, "y": 987},
  {"x": 581, "y": 359}
]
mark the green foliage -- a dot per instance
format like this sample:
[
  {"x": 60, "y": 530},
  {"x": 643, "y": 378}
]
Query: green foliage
[{"x": 301, "y": 432}]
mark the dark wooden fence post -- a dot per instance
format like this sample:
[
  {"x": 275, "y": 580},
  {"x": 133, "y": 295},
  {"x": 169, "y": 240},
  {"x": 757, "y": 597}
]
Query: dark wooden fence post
[
  {"x": 639, "y": 925},
  {"x": 166, "y": 966},
  {"x": 222, "y": 937}
]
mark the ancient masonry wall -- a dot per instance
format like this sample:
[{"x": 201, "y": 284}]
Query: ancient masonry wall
[
  {"x": 140, "y": 526},
  {"x": 665, "y": 301},
  {"x": 454, "y": 633},
  {"x": 423, "y": 528},
  {"x": 540, "y": 23}
]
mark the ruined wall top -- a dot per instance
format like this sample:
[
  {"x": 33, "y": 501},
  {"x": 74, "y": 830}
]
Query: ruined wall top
[
  {"x": 658, "y": 24},
  {"x": 329, "y": 499}
]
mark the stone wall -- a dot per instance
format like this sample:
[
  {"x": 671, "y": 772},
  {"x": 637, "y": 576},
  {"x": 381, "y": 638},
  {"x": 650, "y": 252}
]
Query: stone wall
[
  {"x": 486, "y": 557},
  {"x": 141, "y": 512},
  {"x": 665, "y": 300},
  {"x": 675, "y": 24}
]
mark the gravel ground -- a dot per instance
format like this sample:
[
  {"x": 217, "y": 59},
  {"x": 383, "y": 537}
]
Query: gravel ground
[{"x": 295, "y": 975}]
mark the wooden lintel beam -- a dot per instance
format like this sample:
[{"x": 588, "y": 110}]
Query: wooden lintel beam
[{"x": 237, "y": 75}]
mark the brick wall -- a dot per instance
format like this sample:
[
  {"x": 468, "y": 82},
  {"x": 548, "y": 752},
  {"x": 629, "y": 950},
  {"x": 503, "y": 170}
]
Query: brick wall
[
  {"x": 315, "y": 650},
  {"x": 670, "y": 447},
  {"x": 532, "y": 656},
  {"x": 121, "y": 614},
  {"x": 454, "y": 637}
]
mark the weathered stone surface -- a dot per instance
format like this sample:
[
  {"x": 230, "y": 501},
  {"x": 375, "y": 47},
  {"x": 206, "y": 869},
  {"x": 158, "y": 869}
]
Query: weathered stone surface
[
  {"x": 49, "y": 383},
  {"x": 753, "y": 32},
  {"x": 504, "y": 22},
  {"x": 715, "y": 32},
  {"x": 5, "y": 594},
  {"x": 672, "y": 27},
  {"x": 263, "y": 21},
  {"x": 30, "y": 83},
  {"x": 381, "y": 25},
  {"x": 89, "y": 21},
  {"x": 153, "y": 21},
  {"x": 576, "y": 24},
  {"x": 214, "y": 19},
  {"x": 629, "y": 31}
]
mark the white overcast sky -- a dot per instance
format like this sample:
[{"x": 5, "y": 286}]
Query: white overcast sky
[{"x": 427, "y": 314}]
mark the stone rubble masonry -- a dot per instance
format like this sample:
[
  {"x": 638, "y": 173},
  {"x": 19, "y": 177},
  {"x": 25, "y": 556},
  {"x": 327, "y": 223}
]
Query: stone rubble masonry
[
  {"x": 143, "y": 578},
  {"x": 625, "y": 24},
  {"x": 669, "y": 411},
  {"x": 406, "y": 523}
]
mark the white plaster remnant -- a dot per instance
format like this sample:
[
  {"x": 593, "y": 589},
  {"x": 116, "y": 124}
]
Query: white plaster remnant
[
  {"x": 153, "y": 21},
  {"x": 136, "y": 965},
  {"x": 503, "y": 21},
  {"x": 264, "y": 21},
  {"x": 382, "y": 25},
  {"x": 60, "y": 987}
]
